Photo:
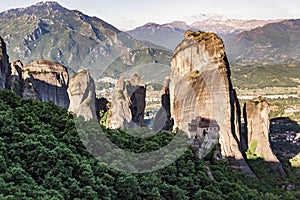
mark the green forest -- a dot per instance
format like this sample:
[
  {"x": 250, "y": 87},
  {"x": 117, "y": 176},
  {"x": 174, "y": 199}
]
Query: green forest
[{"x": 43, "y": 157}]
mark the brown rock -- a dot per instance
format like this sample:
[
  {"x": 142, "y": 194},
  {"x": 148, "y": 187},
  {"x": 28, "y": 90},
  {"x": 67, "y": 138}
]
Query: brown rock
[
  {"x": 4, "y": 64},
  {"x": 257, "y": 124},
  {"x": 200, "y": 86},
  {"x": 82, "y": 95},
  {"x": 50, "y": 79}
]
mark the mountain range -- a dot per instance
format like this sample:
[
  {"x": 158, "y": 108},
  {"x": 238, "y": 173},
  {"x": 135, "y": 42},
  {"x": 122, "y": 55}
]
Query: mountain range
[
  {"x": 246, "y": 41},
  {"x": 49, "y": 31}
]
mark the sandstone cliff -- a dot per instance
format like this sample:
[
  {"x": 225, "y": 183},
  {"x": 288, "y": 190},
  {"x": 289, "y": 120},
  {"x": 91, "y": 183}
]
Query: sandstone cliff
[
  {"x": 200, "y": 85},
  {"x": 50, "y": 79},
  {"x": 82, "y": 95},
  {"x": 4, "y": 64},
  {"x": 128, "y": 104},
  {"x": 257, "y": 123},
  {"x": 14, "y": 80}
]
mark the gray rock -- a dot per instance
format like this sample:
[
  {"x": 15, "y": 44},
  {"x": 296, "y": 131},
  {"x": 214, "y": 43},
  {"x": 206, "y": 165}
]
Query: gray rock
[
  {"x": 82, "y": 95},
  {"x": 128, "y": 104},
  {"x": 4, "y": 64},
  {"x": 14, "y": 80}
]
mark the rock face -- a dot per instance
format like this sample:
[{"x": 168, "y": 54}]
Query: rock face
[
  {"x": 163, "y": 119},
  {"x": 82, "y": 95},
  {"x": 4, "y": 64},
  {"x": 257, "y": 123},
  {"x": 136, "y": 90},
  {"x": 119, "y": 114},
  {"x": 50, "y": 80},
  {"x": 128, "y": 104},
  {"x": 200, "y": 85},
  {"x": 14, "y": 80}
]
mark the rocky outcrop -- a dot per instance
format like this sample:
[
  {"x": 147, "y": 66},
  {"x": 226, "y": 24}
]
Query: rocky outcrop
[
  {"x": 50, "y": 79},
  {"x": 257, "y": 123},
  {"x": 163, "y": 119},
  {"x": 200, "y": 85},
  {"x": 136, "y": 90},
  {"x": 119, "y": 114},
  {"x": 128, "y": 104},
  {"x": 4, "y": 64},
  {"x": 30, "y": 90},
  {"x": 82, "y": 95},
  {"x": 14, "y": 80}
]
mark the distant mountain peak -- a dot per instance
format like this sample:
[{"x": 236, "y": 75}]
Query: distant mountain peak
[
  {"x": 150, "y": 24},
  {"x": 47, "y": 3}
]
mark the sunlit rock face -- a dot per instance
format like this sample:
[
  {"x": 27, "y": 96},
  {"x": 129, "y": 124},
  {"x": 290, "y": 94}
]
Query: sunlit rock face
[
  {"x": 82, "y": 95},
  {"x": 119, "y": 114},
  {"x": 257, "y": 125},
  {"x": 4, "y": 64},
  {"x": 51, "y": 80},
  {"x": 200, "y": 85},
  {"x": 128, "y": 104}
]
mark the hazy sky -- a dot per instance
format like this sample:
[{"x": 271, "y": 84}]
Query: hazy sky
[{"x": 131, "y": 13}]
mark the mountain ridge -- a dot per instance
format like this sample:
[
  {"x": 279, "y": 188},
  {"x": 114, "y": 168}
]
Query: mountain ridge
[{"x": 73, "y": 39}]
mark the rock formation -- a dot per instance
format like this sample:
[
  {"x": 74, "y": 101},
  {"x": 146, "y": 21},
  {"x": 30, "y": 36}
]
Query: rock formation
[
  {"x": 200, "y": 85},
  {"x": 257, "y": 124},
  {"x": 50, "y": 79},
  {"x": 82, "y": 95},
  {"x": 14, "y": 80},
  {"x": 136, "y": 90},
  {"x": 119, "y": 114},
  {"x": 4, "y": 64},
  {"x": 128, "y": 104},
  {"x": 163, "y": 119}
]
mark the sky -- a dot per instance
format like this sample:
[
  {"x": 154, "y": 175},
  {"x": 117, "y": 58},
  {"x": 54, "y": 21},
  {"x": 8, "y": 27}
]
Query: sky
[{"x": 128, "y": 14}]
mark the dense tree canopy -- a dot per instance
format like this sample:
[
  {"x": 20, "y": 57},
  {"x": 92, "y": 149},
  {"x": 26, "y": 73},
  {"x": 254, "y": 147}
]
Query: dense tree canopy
[{"x": 42, "y": 157}]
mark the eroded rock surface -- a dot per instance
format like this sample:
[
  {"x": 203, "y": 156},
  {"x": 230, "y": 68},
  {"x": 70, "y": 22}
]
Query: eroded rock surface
[
  {"x": 128, "y": 104},
  {"x": 14, "y": 80},
  {"x": 200, "y": 85},
  {"x": 82, "y": 95},
  {"x": 257, "y": 127},
  {"x": 163, "y": 120},
  {"x": 119, "y": 114},
  {"x": 50, "y": 79},
  {"x": 4, "y": 64}
]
